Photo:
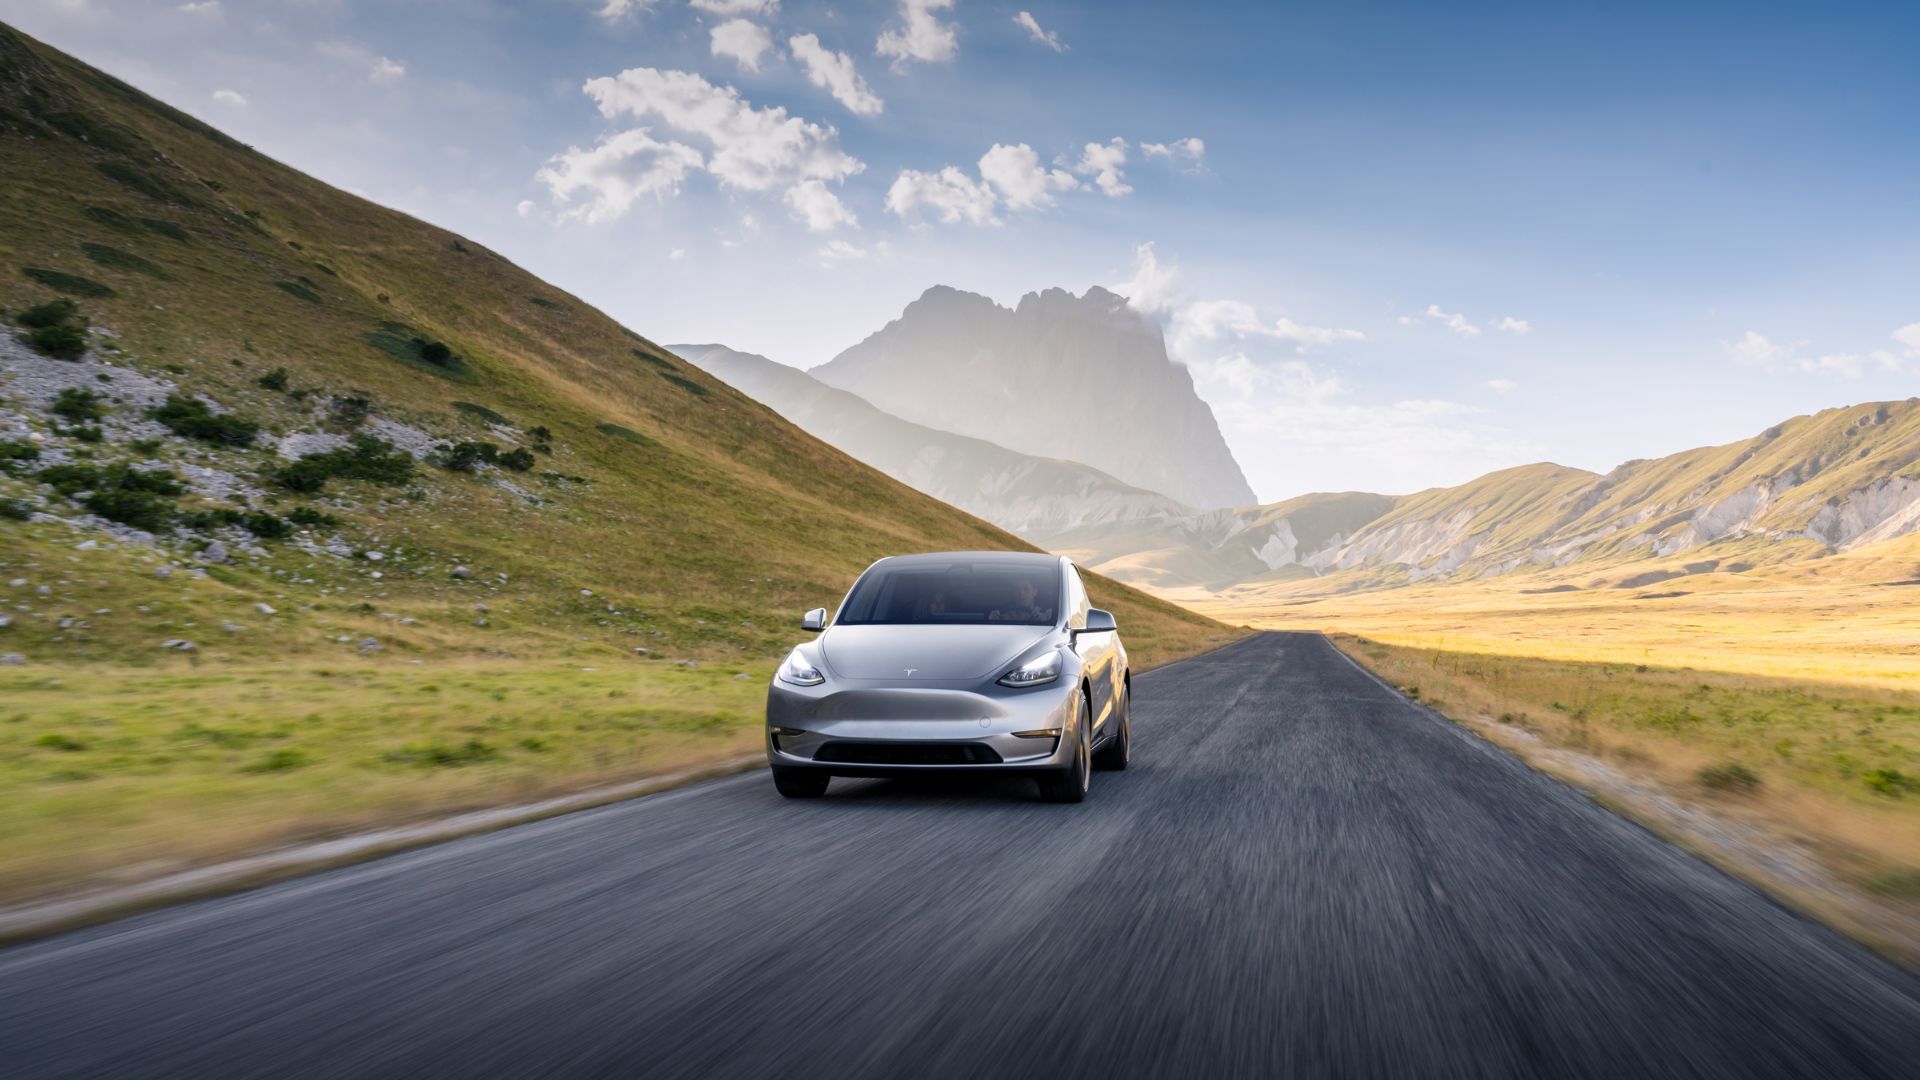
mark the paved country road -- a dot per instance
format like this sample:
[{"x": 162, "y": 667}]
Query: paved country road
[{"x": 1301, "y": 874}]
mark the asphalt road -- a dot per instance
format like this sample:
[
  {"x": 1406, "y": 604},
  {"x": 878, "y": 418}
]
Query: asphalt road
[{"x": 1301, "y": 875}]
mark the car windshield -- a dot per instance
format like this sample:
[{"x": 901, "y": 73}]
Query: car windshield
[{"x": 929, "y": 594}]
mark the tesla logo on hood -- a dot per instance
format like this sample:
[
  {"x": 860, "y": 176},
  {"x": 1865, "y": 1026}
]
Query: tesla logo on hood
[{"x": 911, "y": 670}]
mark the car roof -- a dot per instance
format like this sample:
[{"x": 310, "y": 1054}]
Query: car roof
[{"x": 1008, "y": 558}]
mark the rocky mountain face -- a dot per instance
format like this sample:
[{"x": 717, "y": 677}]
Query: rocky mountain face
[
  {"x": 1079, "y": 378},
  {"x": 1035, "y": 497},
  {"x": 1836, "y": 481}
]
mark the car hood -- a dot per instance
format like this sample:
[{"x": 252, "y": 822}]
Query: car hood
[{"x": 968, "y": 651}]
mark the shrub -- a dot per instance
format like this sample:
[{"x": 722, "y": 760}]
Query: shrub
[
  {"x": 64, "y": 743},
  {"x": 63, "y": 342},
  {"x": 112, "y": 219},
  {"x": 71, "y": 284},
  {"x": 540, "y": 433},
  {"x": 15, "y": 509},
  {"x": 469, "y": 456},
  {"x": 266, "y": 526},
  {"x": 659, "y": 362},
  {"x": 191, "y": 418},
  {"x": 274, "y": 380},
  {"x": 140, "y": 509},
  {"x": 365, "y": 458},
  {"x": 165, "y": 228},
  {"x": 51, "y": 313},
  {"x": 77, "y": 406},
  {"x": 122, "y": 173},
  {"x": 685, "y": 384},
  {"x": 88, "y": 434},
  {"x": 14, "y": 451},
  {"x": 519, "y": 459},
  {"x": 436, "y": 353},
  {"x": 119, "y": 493},
  {"x": 123, "y": 260},
  {"x": 1728, "y": 776},
  {"x": 279, "y": 761},
  {"x": 349, "y": 412},
  {"x": 307, "y": 515},
  {"x": 1890, "y": 782}
]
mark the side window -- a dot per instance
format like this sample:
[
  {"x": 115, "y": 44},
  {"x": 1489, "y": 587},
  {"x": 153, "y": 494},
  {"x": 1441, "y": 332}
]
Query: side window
[{"x": 1077, "y": 603}]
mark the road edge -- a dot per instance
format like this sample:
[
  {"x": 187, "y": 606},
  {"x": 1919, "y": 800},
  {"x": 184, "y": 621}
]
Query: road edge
[
  {"x": 1832, "y": 914},
  {"x": 46, "y": 918}
]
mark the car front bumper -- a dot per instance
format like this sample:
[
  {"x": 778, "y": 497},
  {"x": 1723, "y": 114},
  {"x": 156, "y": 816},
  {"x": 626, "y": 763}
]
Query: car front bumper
[{"x": 890, "y": 730}]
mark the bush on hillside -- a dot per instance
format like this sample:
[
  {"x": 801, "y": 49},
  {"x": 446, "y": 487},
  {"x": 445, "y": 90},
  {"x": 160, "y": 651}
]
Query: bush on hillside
[
  {"x": 52, "y": 313},
  {"x": 15, "y": 451},
  {"x": 1728, "y": 776},
  {"x": 77, "y": 406},
  {"x": 191, "y": 418},
  {"x": 274, "y": 380},
  {"x": 120, "y": 493},
  {"x": 365, "y": 458},
  {"x": 469, "y": 456},
  {"x": 63, "y": 342},
  {"x": 123, "y": 260},
  {"x": 71, "y": 284},
  {"x": 519, "y": 459}
]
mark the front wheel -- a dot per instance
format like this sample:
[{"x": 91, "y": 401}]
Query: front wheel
[
  {"x": 1069, "y": 785},
  {"x": 801, "y": 783},
  {"x": 1119, "y": 750}
]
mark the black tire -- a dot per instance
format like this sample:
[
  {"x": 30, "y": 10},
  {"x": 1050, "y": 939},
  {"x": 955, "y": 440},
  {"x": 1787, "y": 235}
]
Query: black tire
[
  {"x": 801, "y": 783},
  {"x": 1114, "y": 756},
  {"x": 1069, "y": 785}
]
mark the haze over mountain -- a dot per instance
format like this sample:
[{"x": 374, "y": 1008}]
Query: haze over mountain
[
  {"x": 1036, "y": 498},
  {"x": 1084, "y": 378}
]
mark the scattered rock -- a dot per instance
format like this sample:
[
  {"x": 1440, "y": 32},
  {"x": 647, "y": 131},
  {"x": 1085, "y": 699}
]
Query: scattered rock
[
  {"x": 178, "y": 645},
  {"x": 687, "y": 663},
  {"x": 742, "y": 675},
  {"x": 12, "y": 659},
  {"x": 586, "y": 592},
  {"x": 5, "y": 621},
  {"x": 18, "y": 582},
  {"x": 215, "y": 552},
  {"x": 67, "y": 623},
  {"x": 461, "y": 573},
  {"x": 641, "y": 652},
  {"x": 375, "y": 556},
  {"x": 86, "y": 545},
  {"x": 264, "y": 609},
  {"x": 480, "y": 620},
  {"x": 368, "y": 645},
  {"x": 233, "y": 628},
  {"x": 163, "y": 572}
]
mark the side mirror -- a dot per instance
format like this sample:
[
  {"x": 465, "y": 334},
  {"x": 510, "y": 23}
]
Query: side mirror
[
  {"x": 816, "y": 620},
  {"x": 1098, "y": 622}
]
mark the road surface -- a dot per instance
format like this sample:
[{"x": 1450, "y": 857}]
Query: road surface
[{"x": 1302, "y": 874}]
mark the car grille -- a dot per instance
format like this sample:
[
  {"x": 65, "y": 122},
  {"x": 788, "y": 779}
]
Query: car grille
[{"x": 914, "y": 753}]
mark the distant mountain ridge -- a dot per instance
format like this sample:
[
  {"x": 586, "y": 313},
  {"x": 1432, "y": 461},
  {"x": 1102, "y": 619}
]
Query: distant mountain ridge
[
  {"x": 1080, "y": 378},
  {"x": 1836, "y": 481}
]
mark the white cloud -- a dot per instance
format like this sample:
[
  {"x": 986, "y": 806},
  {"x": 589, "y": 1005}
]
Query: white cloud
[
  {"x": 1757, "y": 351},
  {"x": 201, "y": 7},
  {"x": 1909, "y": 336},
  {"x": 920, "y": 36},
  {"x": 1022, "y": 181},
  {"x": 1454, "y": 322},
  {"x": 742, "y": 41},
  {"x": 1203, "y": 321},
  {"x": 1502, "y": 386},
  {"x": 386, "y": 69},
  {"x": 616, "y": 10},
  {"x": 833, "y": 71},
  {"x": 1151, "y": 288},
  {"x": 677, "y": 254},
  {"x": 950, "y": 193},
  {"x": 834, "y": 252},
  {"x": 1510, "y": 325},
  {"x": 1192, "y": 149},
  {"x": 525, "y": 208},
  {"x": 1045, "y": 37},
  {"x": 230, "y": 97},
  {"x": 1102, "y": 161},
  {"x": 753, "y": 149},
  {"x": 821, "y": 210},
  {"x": 616, "y": 172},
  {"x": 737, "y": 7}
]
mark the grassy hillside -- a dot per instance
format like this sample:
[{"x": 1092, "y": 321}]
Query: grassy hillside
[{"x": 313, "y": 439}]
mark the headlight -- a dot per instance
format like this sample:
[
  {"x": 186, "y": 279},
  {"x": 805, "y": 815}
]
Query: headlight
[
  {"x": 1038, "y": 671},
  {"x": 800, "y": 671}
]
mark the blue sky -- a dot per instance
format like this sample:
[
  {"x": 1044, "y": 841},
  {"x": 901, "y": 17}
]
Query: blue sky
[{"x": 1415, "y": 242}]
